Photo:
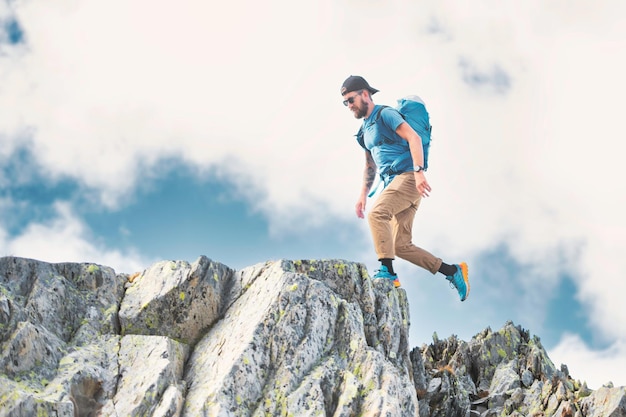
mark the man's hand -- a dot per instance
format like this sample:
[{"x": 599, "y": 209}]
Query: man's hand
[
  {"x": 422, "y": 185},
  {"x": 360, "y": 207}
]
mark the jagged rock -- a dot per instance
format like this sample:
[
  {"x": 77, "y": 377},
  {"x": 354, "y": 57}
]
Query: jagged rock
[
  {"x": 193, "y": 296},
  {"x": 149, "y": 366},
  {"x": 505, "y": 380},
  {"x": 294, "y": 336},
  {"x": 299, "y": 338},
  {"x": 492, "y": 374},
  {"x": 50, "y": 309},
  {"x": 605, "y": 402},
  {"x": 302, "y": 348},
  {"x": 527, "y": 378}
]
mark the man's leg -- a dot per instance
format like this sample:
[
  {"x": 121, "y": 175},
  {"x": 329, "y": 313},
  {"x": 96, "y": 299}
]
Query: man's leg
[
  {"x": 391, "y": 201},
  {"x": 404, "y": 248},
  {"x": 391, "y": 223},
  {"x": 380, "y": 220}
]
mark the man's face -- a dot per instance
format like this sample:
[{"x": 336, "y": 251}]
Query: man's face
[{"x": 356, "y": 104}]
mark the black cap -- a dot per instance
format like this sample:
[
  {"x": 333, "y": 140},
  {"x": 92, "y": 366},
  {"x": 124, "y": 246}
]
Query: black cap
[{"x": 356, "y": 83}]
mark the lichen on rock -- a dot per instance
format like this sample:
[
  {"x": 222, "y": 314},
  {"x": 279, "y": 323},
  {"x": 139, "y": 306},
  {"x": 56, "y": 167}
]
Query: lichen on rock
[{"x": 280, "y": 338}]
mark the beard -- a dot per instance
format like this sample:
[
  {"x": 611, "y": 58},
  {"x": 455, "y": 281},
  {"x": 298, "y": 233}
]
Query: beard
[{"x": 361, "y": 111}]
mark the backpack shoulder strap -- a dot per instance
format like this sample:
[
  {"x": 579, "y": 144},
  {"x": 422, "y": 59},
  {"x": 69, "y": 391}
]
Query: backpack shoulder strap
[
  {"x": 359, "y": 138},
  {"x": 389, "y": 135},
  {"x": 380, "y": 112},
  {"x": 359, "y": 134}
]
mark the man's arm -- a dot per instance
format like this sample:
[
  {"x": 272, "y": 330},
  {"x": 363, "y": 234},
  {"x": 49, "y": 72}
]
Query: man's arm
[
  {"x": 406, "y": 132},
  {"x": 369, "y": 174}
]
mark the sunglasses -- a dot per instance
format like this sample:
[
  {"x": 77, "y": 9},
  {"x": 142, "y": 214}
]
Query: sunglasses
[{"x": 351, "y": 99}]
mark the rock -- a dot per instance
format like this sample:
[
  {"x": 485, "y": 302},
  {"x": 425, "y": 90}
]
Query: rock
[
  {"x": 296, "y": 336},
  {"x": 505, "y": 378},
  {"x": 507, "y": 372},
  {"x": 29, "y": 347},
  {"x": 605, "y": 402},
  {"x": 149, "y": 366},
  {"x": 278, "y": 338},
  {"x": 527, "y": 378},
  {"x": 177, "y": 300}
]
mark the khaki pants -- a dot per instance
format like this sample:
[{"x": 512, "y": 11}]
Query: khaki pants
[{"x": 391, "y": 223}]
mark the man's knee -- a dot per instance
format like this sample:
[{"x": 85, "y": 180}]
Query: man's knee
[
  {"x": 379, "y": 214},
  {"x": 402, "y": 251}
]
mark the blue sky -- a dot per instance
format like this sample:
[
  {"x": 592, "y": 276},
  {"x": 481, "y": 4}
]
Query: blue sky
[{"x": 132, "y": 132}]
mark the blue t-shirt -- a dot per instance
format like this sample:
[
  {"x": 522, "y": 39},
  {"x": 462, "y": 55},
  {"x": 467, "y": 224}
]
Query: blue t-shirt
[{"x": 390, "y": 152}]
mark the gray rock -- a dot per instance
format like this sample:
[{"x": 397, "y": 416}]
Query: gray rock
[
  {"x": 301, "y": 338},
  {"x": 296, "y": 336},
  {"x": 148, "y": 367},
  {"x": 434, "y": 386},
  {"x": 28, "y": 347},
  {"x": 177, "y": 299},
  {"x": 505, "y": 378},
  {"x": 527, "y": 378},
  {"x": 605, "y": 402},
  {"x": 498, "y": 373},
  {"x": 533, "y": 400}
]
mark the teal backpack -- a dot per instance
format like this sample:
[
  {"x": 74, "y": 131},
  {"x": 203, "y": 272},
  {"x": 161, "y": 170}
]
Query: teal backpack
[{"x": 413, "y": 111}]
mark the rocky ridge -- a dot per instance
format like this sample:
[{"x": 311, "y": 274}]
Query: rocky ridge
[{"x": 282, "y": 338}]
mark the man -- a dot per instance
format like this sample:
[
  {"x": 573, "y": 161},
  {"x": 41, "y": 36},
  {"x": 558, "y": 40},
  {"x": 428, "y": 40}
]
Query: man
[{"x": 399, "y": 161}]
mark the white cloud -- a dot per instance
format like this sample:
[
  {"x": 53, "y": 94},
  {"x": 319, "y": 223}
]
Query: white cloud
[
  {"x": 597, "y": 367},
  {"x": 524, "y": 98},
  {"x": 65, "y": 238}
]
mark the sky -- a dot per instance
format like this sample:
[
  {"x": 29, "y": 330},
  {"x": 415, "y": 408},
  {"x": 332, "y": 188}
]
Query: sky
[{"x": 137, "y": 131}]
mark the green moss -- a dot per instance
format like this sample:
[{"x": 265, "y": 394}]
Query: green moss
[
  {"x": 12, "y": 397},
  {"x": 293, "y": 287},
  {"x": 368, "y": 388},
  {"x": 181, "y": 296},
  {"x": 502, "y": 353},
  {"x": 110, "y": 311},
  {"x": 535, "y": 409},
  {"x": 281, "y": 401},
  {"x": 152, "y": 320},
  {"x": 92, "y": 269},
  {"x": 340, "y": 268},
  {"x": 351, "y": 389}
]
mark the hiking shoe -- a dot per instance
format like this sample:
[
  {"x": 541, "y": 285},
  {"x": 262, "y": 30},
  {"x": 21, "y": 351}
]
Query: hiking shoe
[
  {"x": 460, "y": 281},
  {"x": 383, "y": 273}
]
